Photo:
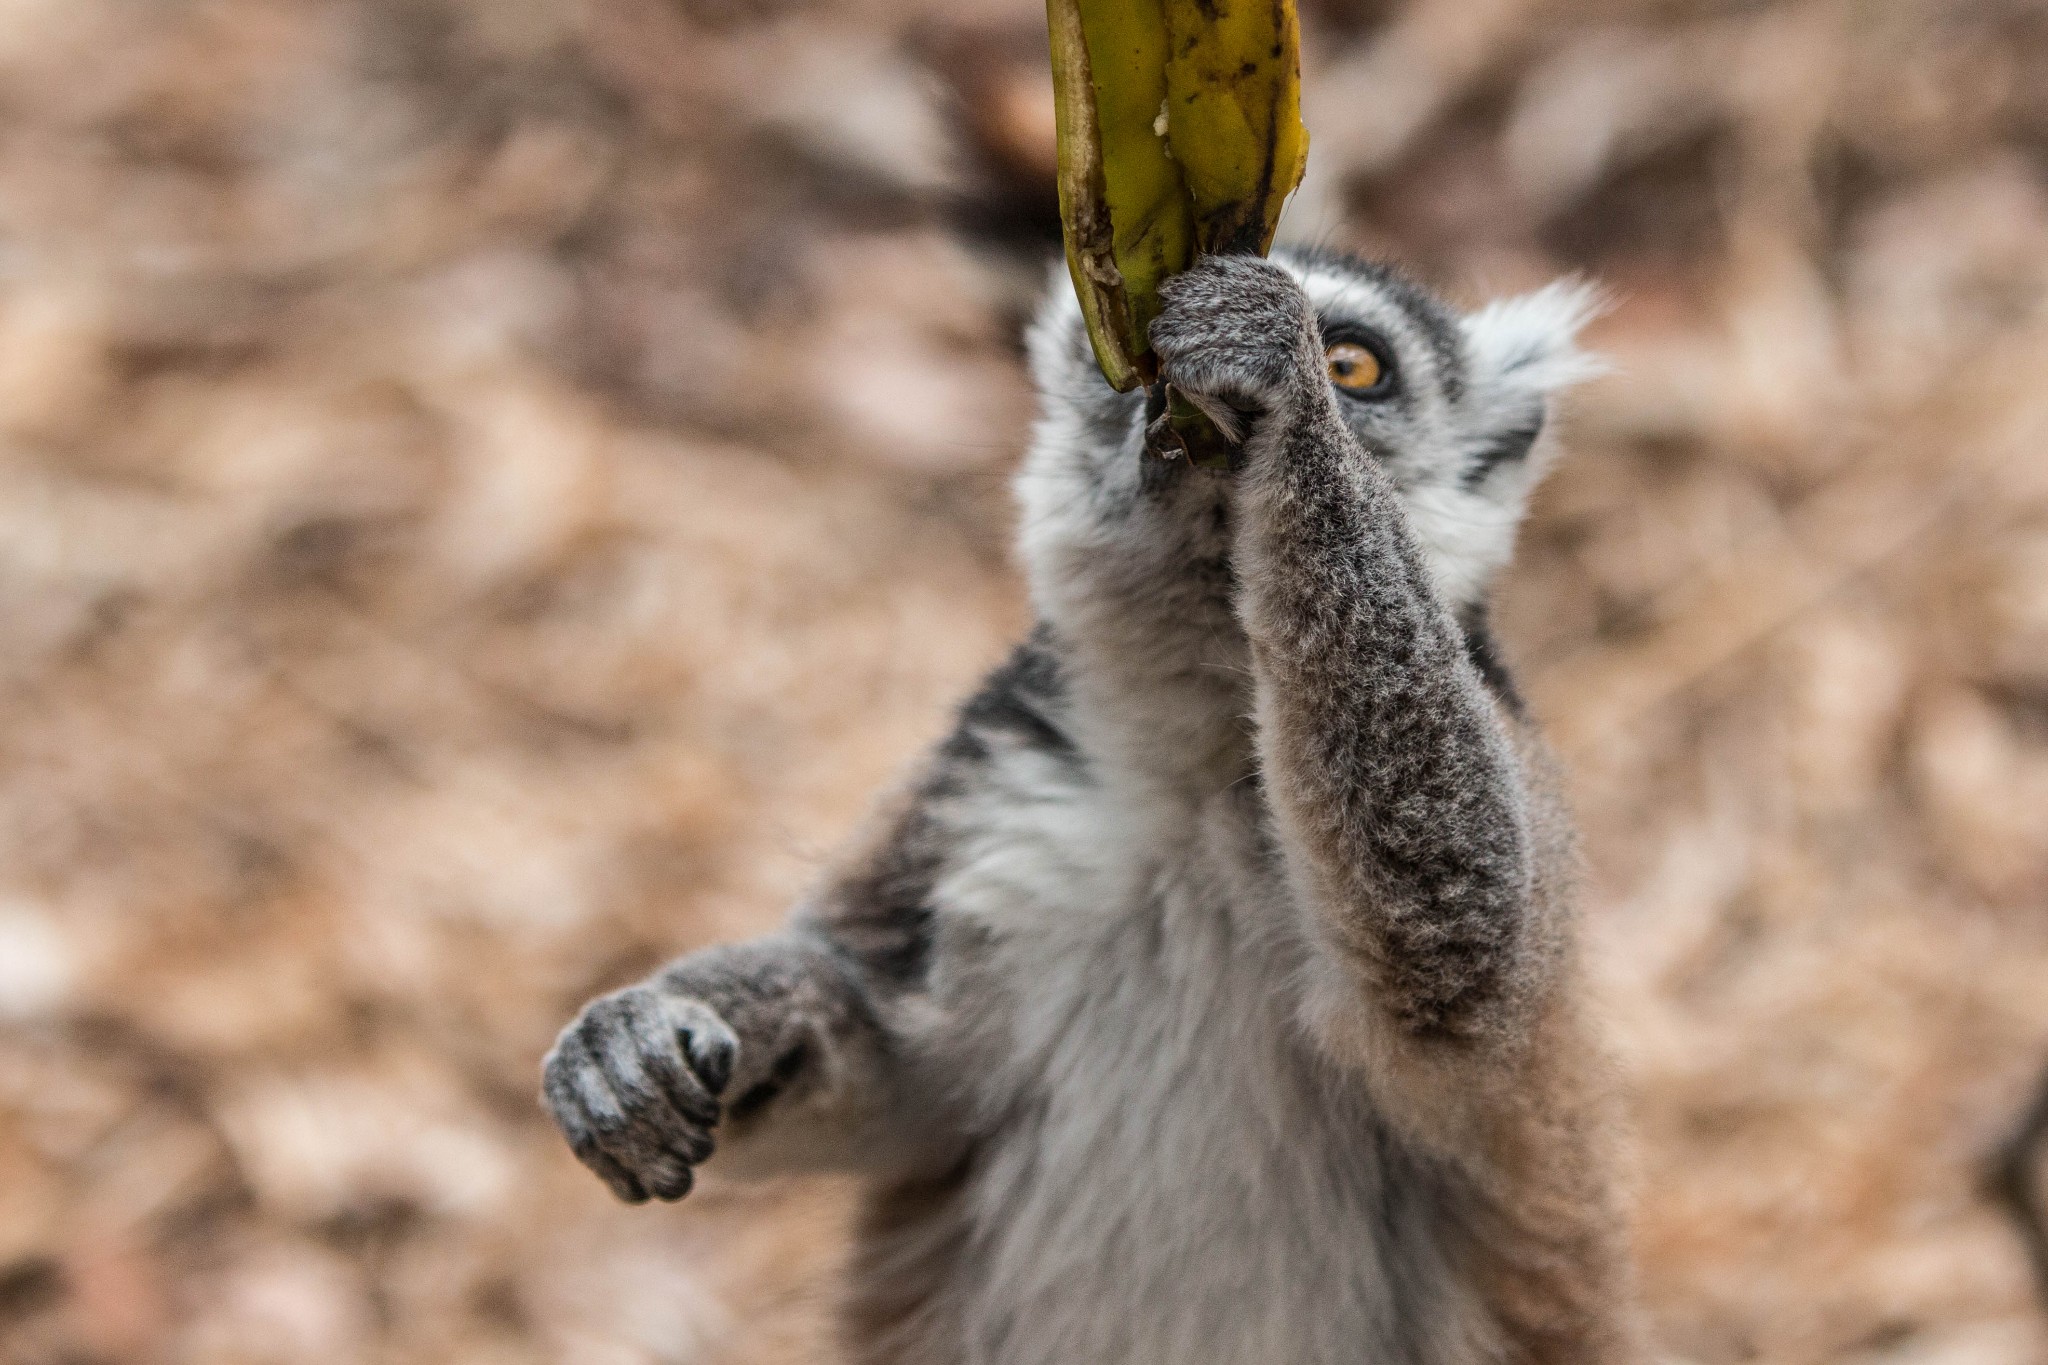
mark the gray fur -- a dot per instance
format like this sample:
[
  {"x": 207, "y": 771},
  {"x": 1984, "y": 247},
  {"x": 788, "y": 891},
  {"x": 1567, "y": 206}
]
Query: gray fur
[{"x": 1210, "y": 995}]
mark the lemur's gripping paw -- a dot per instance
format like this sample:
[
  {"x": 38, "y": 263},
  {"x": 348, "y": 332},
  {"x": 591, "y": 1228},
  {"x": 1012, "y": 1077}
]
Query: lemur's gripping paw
[
  {"x": 634, "y": 1084},
  {"x": 1240, "y": 329}
]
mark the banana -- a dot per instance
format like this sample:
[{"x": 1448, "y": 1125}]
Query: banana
[
  {"x": 1233, "y": 116},
  {"x": 1128, "y": 221},
  {"x": 1179, "y": 126}
]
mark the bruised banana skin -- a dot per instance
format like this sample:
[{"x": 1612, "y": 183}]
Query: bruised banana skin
[
  {"x": 1233, "y": 120},
  {"x": 1151, "y": 216},
  {"x": 1179, "y": 134}
]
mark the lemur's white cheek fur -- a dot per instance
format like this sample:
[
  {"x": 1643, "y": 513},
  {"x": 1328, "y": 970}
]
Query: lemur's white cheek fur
[{"x": 1465, "y": 539}]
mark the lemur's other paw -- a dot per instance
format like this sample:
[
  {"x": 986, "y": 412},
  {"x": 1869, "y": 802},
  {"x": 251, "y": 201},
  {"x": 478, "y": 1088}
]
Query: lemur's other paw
[
  {"x": 1237, "y": 328},
  {"x": 633, "y": 1083}
]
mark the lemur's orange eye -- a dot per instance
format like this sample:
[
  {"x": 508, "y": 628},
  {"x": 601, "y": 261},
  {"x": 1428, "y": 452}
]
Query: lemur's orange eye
[{"x": 1353, "y": 367}]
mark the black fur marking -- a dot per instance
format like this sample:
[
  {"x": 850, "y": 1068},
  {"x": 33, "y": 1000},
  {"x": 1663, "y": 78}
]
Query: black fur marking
[
  {"x": 1020, "y": 699},
  {"x": 1514, "y": 444},
  {"x": 884, "y": 916},
  {"x": 763, "y": 1092},
  {"x": 1484, "y": 652}
]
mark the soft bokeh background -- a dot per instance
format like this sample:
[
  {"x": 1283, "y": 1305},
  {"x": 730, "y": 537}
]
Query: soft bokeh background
[{"x": 489, "y": 487}]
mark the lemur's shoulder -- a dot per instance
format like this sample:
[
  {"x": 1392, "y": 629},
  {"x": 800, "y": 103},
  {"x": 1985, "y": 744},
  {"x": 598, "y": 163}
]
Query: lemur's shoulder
[{"x": 1012, "y": 740}]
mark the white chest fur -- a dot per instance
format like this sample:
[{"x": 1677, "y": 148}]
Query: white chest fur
[{"x": 1172, "y": 1175}]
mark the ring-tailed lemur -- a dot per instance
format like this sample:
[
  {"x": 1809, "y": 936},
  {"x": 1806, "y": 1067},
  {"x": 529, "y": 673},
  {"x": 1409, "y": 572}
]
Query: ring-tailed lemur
[{"x": 1211, "y": 995}]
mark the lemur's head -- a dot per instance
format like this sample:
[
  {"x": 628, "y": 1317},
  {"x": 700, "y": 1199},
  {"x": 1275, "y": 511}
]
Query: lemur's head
[{"x": 1452, "y": 404}]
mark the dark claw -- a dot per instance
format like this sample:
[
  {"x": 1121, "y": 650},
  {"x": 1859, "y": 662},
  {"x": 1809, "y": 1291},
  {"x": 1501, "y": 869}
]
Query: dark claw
[
  {"x": 669, "y": 1191},
  {"x": 622, "y": 1181},
  {"x": 712, "y": 1054}
]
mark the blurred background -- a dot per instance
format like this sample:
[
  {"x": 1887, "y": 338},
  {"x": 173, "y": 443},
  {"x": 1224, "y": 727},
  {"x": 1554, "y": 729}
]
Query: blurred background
[{"x": 488, "y": 489}]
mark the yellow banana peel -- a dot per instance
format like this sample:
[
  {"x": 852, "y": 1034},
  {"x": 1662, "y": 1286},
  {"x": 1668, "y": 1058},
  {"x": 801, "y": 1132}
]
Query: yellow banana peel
[
  {"x": 1233, "y": 115},
  {"x": 1179, "y": 125}
]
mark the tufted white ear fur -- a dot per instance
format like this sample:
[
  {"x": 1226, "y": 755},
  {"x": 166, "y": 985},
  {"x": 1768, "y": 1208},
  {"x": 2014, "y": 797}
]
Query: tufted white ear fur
[
  {"x": 1518, "y": 352},
  {"x": 1523, "y": 349}
]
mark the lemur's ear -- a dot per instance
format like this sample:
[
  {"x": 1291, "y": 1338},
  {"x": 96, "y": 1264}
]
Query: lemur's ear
[
  {"x": 1520, "y": 351},
  {"x": 1528, "y": 344}
]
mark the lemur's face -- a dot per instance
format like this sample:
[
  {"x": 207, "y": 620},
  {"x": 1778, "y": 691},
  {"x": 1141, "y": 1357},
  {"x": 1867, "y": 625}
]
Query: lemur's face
[{"x": 1451, "y": 405}]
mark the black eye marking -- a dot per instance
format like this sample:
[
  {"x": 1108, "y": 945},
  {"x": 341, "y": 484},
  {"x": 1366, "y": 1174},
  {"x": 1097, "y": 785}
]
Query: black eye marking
[
  {"x": 1512, "y": 444},
  {"x": 1343, "y": 343}
]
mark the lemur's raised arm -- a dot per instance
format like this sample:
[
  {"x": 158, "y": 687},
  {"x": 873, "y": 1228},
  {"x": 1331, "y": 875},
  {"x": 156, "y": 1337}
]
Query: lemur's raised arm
[
  {"x": 1398, "y": 794},
  {"x": 799, "y": 1051}
]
